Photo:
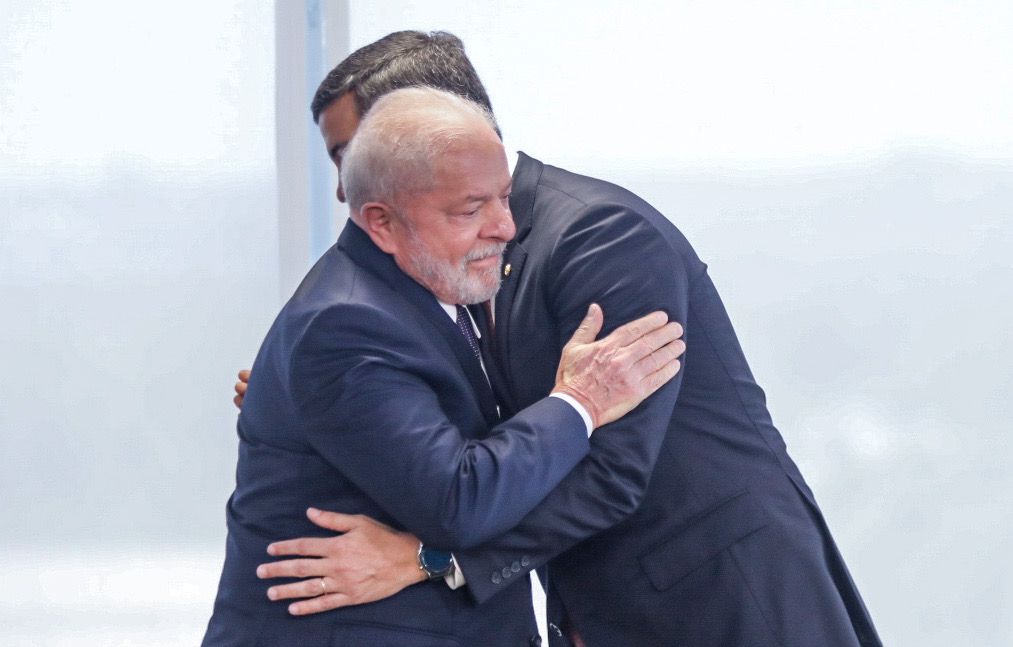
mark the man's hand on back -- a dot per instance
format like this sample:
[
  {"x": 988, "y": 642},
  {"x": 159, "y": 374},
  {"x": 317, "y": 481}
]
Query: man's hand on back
[
  {"x": 611, "y": 376},
  {"x": 369, "y": 561}
]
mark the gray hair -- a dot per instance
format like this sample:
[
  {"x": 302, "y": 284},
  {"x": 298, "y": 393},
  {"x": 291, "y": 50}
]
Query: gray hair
[{"x": 394, "y": 149}]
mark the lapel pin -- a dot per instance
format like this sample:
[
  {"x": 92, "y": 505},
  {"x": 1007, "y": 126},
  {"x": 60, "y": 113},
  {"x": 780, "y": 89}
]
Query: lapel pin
[{"x": 506, "y": 269}]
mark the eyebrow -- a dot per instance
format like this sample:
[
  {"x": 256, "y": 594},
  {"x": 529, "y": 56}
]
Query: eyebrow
[{"x": 479, "y": 198}]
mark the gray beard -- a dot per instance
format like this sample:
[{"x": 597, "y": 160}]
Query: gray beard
[{"x": 464, "y": 287}]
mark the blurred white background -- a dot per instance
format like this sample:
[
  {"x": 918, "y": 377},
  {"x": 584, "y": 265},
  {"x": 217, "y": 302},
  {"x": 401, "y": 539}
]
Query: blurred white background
[{"x": 846, "y": 169}]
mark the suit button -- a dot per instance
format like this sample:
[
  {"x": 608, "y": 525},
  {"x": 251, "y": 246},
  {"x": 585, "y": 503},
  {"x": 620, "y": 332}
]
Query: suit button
[
  {"x": 556, "y": 630},
  {"x": 515, "y": 567},
  {"x": 525, "y": 561},
  {"x": 496, "y": 578},
  {"x": 535, "y": 641},
  {"x": 506, "y": 571}
]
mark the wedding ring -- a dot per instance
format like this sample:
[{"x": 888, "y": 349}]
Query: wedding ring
[{"x": 323, "y": 587}]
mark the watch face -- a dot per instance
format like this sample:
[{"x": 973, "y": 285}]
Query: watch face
[{"x": 436, "y": 562}]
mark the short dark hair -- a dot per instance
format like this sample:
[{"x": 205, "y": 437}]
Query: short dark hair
[{"x": 399, "y": 60}]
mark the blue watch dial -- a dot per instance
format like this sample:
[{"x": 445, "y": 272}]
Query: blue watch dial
[{"x": 435, "y": 562}]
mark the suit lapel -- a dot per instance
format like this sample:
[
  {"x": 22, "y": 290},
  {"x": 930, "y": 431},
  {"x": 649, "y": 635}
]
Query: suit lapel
[
  {"x": 513, "y": 262},
  {"x": 357, "y": 244},
  {"x": 526, "y": 176}
]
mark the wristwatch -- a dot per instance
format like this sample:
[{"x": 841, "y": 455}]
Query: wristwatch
[{"x": 435, "y": 563}]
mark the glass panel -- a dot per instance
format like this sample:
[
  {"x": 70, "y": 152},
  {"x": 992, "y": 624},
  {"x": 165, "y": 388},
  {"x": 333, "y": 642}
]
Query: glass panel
[{"x": 138, "y": 270}]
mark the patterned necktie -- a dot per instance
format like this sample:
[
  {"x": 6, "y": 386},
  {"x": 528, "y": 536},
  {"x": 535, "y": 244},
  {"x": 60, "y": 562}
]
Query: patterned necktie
[{"x": 464, "y": 325}]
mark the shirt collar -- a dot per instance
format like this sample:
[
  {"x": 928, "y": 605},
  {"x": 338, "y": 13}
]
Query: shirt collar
[{"x": 452, "y": 313}]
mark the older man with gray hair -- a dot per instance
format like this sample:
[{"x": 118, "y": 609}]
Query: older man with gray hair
[
  {"x": 398, "y": 155},
  {"x": 368, "y": 394}
]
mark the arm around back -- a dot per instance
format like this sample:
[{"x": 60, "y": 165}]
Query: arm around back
[{"x": 373, "y": 403}]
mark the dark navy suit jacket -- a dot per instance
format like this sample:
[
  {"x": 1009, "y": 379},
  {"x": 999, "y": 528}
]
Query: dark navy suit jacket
[
  {"x": 365, "y": 398},
  {"x": 688, "y": 523}
]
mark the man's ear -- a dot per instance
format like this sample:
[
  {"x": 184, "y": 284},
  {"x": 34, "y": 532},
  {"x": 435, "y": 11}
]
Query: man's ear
[{"x": 378, "y": 220}]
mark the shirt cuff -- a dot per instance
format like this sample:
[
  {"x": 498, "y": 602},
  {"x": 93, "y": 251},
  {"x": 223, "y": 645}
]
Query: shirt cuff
[
  {"x": 585, "y": 416},
  {"x": 455, "y": 578}
]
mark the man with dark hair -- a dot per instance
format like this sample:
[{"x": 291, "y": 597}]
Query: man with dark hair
[{"x": 693, "y": 526}]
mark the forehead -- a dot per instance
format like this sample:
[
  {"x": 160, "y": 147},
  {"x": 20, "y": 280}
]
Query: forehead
[{"x": 478, "y": 163}]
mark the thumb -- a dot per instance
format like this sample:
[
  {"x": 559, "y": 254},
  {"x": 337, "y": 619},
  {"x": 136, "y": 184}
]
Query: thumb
[
  {"x": 590, "y": 326},
  {"x": 335, "y": 521}
]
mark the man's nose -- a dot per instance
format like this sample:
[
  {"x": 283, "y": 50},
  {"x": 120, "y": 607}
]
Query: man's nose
[{"x": 500, "y": 223}]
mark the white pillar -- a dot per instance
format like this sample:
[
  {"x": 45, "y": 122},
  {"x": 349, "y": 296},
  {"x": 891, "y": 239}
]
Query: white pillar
[{"x": 311, "y": 37}]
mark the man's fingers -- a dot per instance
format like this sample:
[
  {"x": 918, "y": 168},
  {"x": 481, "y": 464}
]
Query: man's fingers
[
  {"x": 335, "y": 521},
  {"x": 630, "y": 332},
  {"x": 651, "y": 361},
  {"x": 660, "y": 378},
  {"x": 589, "y": 328},
  {"x": 677, "y": 329},
  {"x": 240, "y": 388},
  {"x": 654, "y": 341},
  {"x": 316, "y": 546},
  {"x": 292, "y": 568},
  {"x": 304, "y": 547},
  {"x": 304, "y": 589},
  {"x": 319, "y": 604}
]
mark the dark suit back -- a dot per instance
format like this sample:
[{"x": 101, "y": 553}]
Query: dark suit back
[
  {"x": 364, "y": 398},
  {"x": 707, "y": 532}
]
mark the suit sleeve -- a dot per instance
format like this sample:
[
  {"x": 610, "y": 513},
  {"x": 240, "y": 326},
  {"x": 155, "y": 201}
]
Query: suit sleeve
[
  {"x": 382, "y": 426},
  {"x": 612, "y": 256}
]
